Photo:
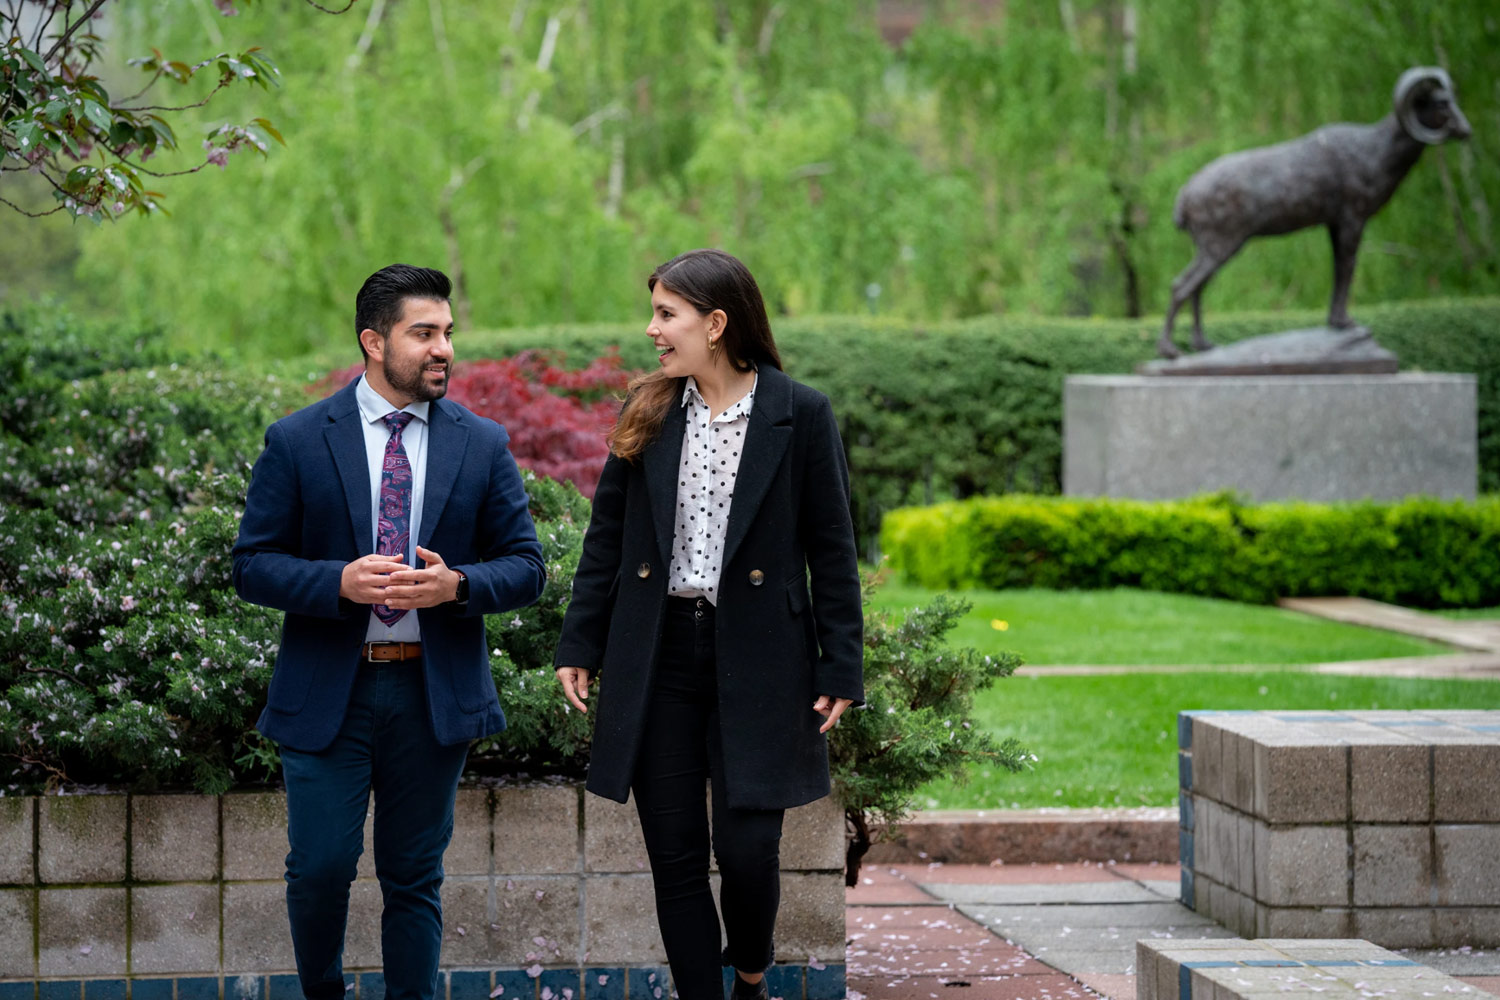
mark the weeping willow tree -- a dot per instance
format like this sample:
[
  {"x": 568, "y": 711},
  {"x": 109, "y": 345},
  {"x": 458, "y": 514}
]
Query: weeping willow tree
[{"x": 1013, "y": 156}]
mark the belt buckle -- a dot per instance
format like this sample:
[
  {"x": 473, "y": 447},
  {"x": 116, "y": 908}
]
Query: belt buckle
[{"x": 381, "y": 644}]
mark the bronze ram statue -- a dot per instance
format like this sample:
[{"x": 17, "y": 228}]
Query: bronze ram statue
[{"x": 1336, "y": 176}]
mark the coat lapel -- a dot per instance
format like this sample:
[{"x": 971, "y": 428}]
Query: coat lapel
[
  {"x": 447, "y": 438},
  {"x": 346, "y": 441},
  {"x": 766, "y": 440},
  {"x": 663, "y": 460}
]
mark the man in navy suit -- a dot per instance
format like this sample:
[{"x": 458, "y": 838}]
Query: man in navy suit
[{"x": 383, "y": 674}]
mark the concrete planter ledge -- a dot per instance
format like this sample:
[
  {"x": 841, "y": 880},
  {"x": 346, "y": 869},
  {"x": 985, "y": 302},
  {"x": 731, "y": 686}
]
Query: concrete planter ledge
[
  {"x": 1232, "y": 969},
  {"x": 1024, "y": 836},
  {"x": 1380, "y": 825},
  {"x": 122, "y": 895}
]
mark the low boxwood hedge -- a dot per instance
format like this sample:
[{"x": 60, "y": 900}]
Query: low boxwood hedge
[{"x": 1420, "y": 552}]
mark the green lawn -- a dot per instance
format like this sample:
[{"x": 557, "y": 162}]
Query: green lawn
[
  {"x": 1111, "y": 740},
  {"x": 1143, "y": 627}
]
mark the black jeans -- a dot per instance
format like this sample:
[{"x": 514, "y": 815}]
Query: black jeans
[{"x": 681, "y": 753}]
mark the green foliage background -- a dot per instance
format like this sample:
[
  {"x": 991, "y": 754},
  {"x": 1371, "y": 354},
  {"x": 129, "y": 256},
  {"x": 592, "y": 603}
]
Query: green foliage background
[{"x": 1018, "y": 158}]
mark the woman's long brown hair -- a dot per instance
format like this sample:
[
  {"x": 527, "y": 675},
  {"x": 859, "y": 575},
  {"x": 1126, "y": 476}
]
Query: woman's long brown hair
[{"x": 708, "y": 280}]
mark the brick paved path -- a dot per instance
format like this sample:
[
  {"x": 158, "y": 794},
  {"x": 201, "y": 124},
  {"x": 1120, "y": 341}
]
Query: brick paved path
[{"x": 1032, "y": 932}]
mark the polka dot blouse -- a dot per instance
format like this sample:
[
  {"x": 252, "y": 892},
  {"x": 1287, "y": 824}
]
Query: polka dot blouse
[{"x": 705, "y": 486}]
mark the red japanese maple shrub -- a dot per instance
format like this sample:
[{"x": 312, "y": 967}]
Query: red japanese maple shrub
[{"x": 557, "y": 419}]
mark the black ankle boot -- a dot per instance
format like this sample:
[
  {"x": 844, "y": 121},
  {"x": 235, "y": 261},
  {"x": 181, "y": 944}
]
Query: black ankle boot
[{"x": 744, "y": 990}]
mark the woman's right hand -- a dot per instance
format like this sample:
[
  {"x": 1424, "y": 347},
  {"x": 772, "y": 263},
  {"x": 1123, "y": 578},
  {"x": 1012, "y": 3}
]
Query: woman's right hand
[{"x": 575, "y": 684}]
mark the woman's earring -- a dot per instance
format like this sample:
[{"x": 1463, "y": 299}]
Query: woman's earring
[{"x": 713, "y": 344}]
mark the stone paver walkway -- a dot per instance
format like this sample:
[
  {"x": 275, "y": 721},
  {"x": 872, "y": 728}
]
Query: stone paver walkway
[
  {"x": 1034, "y": 932},
  {"x": 1478, "y": 634}
]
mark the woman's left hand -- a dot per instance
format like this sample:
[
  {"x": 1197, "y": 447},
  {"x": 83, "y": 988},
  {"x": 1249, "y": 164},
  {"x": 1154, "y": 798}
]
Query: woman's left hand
[{"x": 830, "y": 709}]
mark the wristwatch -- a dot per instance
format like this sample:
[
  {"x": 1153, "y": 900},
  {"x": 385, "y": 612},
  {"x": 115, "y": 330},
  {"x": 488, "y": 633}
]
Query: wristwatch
[{"x": 461, "y": 592}]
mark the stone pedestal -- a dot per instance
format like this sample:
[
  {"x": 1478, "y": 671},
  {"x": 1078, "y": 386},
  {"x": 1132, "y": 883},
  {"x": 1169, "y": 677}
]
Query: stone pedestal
[{"x": 1271, "y": 437}]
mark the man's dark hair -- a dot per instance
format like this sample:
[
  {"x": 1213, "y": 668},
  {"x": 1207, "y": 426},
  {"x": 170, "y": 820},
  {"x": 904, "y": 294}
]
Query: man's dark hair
[{"x": 378, "y": 305}]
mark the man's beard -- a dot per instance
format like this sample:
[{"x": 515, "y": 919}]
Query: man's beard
[{"x": 413, "y": 382}]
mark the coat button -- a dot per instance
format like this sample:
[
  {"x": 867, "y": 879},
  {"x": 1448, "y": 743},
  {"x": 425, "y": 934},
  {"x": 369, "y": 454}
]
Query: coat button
[
  {"x": 644, "y": 571},
  {"x": 757, "y": 578}
]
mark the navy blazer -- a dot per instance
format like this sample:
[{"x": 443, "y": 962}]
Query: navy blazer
[
  {"x": 778, "y": 646},
  {"x": 307, "y": 514}
]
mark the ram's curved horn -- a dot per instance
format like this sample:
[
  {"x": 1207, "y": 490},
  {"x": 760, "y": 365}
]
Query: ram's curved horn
[{"x": 1414, "y": 84}]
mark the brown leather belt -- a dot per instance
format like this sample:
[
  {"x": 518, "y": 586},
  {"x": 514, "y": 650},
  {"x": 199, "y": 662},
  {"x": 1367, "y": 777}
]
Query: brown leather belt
[{"x": 390, "y": 652}]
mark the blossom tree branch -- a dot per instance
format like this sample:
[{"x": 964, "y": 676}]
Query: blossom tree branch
[{"x": 57, "y": 119}]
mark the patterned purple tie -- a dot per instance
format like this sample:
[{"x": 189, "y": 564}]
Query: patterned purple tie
[{"x": 393, "y": 531}]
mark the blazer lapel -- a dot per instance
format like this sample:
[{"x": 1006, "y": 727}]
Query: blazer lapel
[
  {"x": 447, "y": 438},
  {"x": 766, "y": 441},
  {"x": 663, "y": 460},
  {"x": 346, "y": 441}
]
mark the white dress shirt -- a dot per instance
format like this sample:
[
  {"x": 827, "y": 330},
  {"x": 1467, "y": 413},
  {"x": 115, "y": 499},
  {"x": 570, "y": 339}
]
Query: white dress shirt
[
  {"x": 372, "y": 409},
  {"x": 707, "y": 471}
]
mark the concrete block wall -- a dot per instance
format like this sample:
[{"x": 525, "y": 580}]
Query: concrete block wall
[
  {"x": 1228, "y": 969},
  {"x": 1381, "y": 825},
  {"x": 181, "y": 897}
]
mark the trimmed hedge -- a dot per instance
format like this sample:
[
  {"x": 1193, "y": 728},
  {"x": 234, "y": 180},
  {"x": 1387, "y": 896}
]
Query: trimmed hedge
[
  {"x": 1419, "y": 552},
  {"x": 974, "y": 407}
]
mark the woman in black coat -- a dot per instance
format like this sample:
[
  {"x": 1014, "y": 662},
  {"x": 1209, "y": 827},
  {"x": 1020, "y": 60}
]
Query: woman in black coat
[{"x": 724, "y": 498}]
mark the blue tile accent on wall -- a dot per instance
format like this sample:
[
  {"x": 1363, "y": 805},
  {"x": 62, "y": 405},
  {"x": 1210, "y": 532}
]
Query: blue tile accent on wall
[
  {"x": 1185, "y": 814},
  {"x": 104, "y": 989},
  {"x": 1271, "y": 963},
  {"x": 246, "y": 987},
  {"x": 1184, "y": 983},
  {"x": 160, "y": 989},
  {"x": 277, "y": 988},
  {"x": 514, "y": 984},
  {"x": 371, "y": 986},
  {"x": 67, "y": 989},
  {"x": 467, "y": 985},
  {"x": 785, "y": 981},
  {"x": 827, "y": 983},
  {"x": 612, "y": 987},
  {"x": 644, "y": 983},
  {"x": 18, "y": 991},
  {"x": 1185, "y": 730},
  {"x": 558, "y": 980},
  {"x": 1187, "y": 887},
  {"x": 198, "y": 988},
  {"x": 1321, "y": 962},
  {"x": 1185, "y": 771},
  {"x": 1390, "y": 961},
  {"x": 1185, "y": 848}
]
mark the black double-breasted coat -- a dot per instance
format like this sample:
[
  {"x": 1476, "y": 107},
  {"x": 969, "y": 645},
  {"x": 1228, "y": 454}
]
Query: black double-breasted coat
[{"x": 788, "y": 621}]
